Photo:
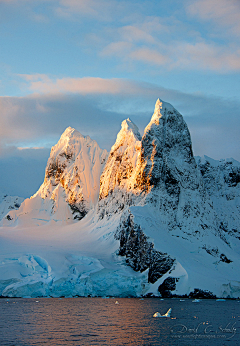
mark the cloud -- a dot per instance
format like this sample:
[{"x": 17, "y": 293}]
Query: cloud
[
  {"x": 179, "y": 55},
  {"x": 102, "y": 10},
  {"x": 171, "y": 40},
  {"x": 87, "y": 85},
  {"x": 149, "y": 56},
  {"x": 202, "y": 55},
  {"x": 84, "y": 7},
  {"x": 20, "y": 2},
  {"x": 119, "y": 49},
  {"x": 30, "y": 148},
  {"x": 173, "y": 44},
  {"x": 132, "y": 33},
  {"x": 39, "y": 120},
  {"x": 225, "y": 13}
]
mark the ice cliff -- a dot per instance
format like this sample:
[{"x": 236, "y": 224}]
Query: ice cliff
[{"x": 149, "y": 218}]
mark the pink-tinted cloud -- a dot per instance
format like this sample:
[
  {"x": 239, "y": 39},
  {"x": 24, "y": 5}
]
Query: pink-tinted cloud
[
  {"x": 206, "y": 56},
  {"x": 223, "y": 12},
  {"x": 30, "y": 148},
  {"x": 68, "y": 7},
  {"x": 103, "y": 10},
  {"x": 24, "y": 1},
  {"x": 149, "y": 56},
  {"x": 132, "y": 33},
  {"x": 88, "y": 85},
  {"x": 171, "y": 43},
  {"x": 200, "y": 55},
  {"x": 119, "y": 48}
]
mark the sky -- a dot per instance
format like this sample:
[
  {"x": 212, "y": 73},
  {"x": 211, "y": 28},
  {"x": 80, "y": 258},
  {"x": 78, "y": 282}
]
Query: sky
[{"x": 90, "y": 64}]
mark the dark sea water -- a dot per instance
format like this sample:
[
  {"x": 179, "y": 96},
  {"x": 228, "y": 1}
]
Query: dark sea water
[{"x": 97, "y": 321}]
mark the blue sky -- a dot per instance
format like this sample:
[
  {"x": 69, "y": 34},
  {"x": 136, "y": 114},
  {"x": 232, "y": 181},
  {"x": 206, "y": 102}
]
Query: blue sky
[{"x": 90, "y": 64}]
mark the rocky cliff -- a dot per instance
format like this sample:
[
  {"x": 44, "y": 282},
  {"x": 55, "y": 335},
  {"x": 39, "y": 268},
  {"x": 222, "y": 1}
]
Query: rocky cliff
[{"x": 222, "y": 183}]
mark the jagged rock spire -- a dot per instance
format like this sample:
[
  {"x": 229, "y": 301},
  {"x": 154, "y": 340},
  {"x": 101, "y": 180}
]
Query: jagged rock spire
[{"x": 122, "y": 160}]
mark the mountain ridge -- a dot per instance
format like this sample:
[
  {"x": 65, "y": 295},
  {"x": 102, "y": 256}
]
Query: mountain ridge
[{"x": 158, "y": 217}]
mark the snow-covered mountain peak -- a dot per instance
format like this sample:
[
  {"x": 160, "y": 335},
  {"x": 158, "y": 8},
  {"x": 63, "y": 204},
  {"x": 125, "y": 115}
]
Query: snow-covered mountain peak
[
  {"x": 158, "y": 108},
  {"x": 69, "y": 137},
  {"x": 75, "y": 164},
  {"x": 71, "y": 184},
  {"x": 129, "y": 133},
  {"x": 70, "y": 132},
  {"x": 161, "y": 108},
  {"x": 168, "y": 131},
  {"x": 120, "y": 167},
  {"x": 138, "y": 164},
  {"x": 128, "y": 125}
]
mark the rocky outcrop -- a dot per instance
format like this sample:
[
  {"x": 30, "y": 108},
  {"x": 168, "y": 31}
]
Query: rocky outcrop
[
  {"x": 222, "y": 183},
  {"x": 139, "y": 251},
  {"x": 8, "y": 203},
  {"x": 166, "y": 288}
]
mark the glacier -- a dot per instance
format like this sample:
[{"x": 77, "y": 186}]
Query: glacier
[{"x": 147, "y": 218}]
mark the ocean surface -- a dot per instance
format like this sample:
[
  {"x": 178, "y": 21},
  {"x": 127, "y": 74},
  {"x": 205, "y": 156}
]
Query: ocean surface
[{"x": 98, "y": 321}]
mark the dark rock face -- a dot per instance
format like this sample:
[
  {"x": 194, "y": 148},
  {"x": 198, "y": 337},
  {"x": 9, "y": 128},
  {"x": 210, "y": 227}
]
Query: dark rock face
[
  {"x": 215, "y": 252},
  {"x": 224, "y": 258},
  {"x": 221, "y": 181},
  {"x": 169, "y": 176},
  {"x": 226, "y": 169},
  {"x": 166, "y": 138},
  {"x": 78, "y": 211},
  {"x": 7, "y": 204},
  {"x": 198, "y": 293},
  {"x": 233, "y": 178},
  {"x": 140, "y": 253},
  {"x": 168, "y": 285},
  {"x": 160, "y": 264},
  {"x": 56, "y": 171},
  {"x": 211, "y": 251}
]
